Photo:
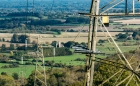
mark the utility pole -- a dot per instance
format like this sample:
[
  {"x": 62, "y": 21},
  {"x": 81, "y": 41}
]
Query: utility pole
[
  {"x": 89, "y": 46},
  {"x": 93, "y": 40},
  {"x": 94, "y": 10}
]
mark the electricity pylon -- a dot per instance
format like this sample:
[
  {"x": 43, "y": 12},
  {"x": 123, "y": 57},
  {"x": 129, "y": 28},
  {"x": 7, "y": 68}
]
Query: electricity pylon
[
  {"x": 95, "y": 16},
  {"x": 40, "y": 73}
]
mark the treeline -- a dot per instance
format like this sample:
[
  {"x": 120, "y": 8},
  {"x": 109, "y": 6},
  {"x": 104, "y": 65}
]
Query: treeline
[
  {"x": 19, "y": 20},
  {"x": 44, "y": 22},
  {"x": 20, "y": 38},
  {"x": 77, "y": 20},
  {"x": 15, "y": 14},
  {"x": 48, "y": 52}
]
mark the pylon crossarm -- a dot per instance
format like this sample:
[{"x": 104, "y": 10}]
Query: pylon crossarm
[{"x": 87, "y": 14}]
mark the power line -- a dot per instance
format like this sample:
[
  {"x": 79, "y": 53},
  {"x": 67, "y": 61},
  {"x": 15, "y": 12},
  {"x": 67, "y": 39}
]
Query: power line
[{"x": 79, "y": 32}]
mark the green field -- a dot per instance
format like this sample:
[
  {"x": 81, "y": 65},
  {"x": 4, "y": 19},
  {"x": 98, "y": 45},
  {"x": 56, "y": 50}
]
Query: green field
[
  {"x": 131, "y": 26},
  {"x": 27, "y": 69},
  {"x": 107, "y": 48},
  {"x": 68, "y": 60}
]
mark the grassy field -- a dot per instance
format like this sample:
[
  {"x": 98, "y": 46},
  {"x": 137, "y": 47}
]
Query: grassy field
[
  {"x": 27, "y": 69},
  {"x": 108, "y": 48},
  {"x": 131, "y": 26},
  {"x": 68, "y": 60}
]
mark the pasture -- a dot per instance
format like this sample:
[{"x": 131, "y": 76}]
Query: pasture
[
  {"x": 27, "y": 69},
  {"x": 68, "y": 60},
  {"x": 64, "y": 37}
]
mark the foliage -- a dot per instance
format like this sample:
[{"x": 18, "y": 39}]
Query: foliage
[
  {"x": 101, "y": 41},
  {"x": 3, "y": 73},
  {"x": 54, "y": 43},
  {"x": 134, "y": 34},
  {"x": 73, "y": 76},
  {"x": 15, "y": 76},
  {"x": 105, "y": 71},
  {"x": 80, "y": 59},
  {"x": 13, "y": 65},
  {"x": 77, "y": 83},
  {"x": 12, "y": 47},
  {"x": 121, "y": 36},
  {"x": 43, "y": 22},
  {"x": 77, "y": 20},
  {"x": 3, "y": 47},
  {"x": 70, "y": 43},
  {"x": 4, "y": 58},
  {"x": 14, "y": 38},
  {"x": 6, "y": 81},
  {"x": 19, "y": 38},
  {"x": 58, "y": 52}
]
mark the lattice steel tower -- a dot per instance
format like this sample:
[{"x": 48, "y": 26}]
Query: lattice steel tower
[
  {"x": 40, "y": 73},
  {"x": 96, "y": 12}
]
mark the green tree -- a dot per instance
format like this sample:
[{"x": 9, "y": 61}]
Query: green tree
[
  {"x": 69, "y": 44},
  {"x": 18, "y": 53},
  {"x": 31, "y": 79},
  {"x": 3, "y": 73},
  {"x": 3, "y": 47},
  {"x": 22, "y": 38},
  {"x": 6, "y": 81},
  {"x": 3, "y": 39},
  {"x": 121, "y": 36},
  {"x": 83, "y": 44},
  {"x": 52, "y": 81},
  {"x": 15, "y": 76},
  {"x": 134, "y": 34},
  {"x": 54, "y": 43},
  {"x": 14, "y": 38},
  {"x": 12, "y": 47},
  {"x": 101, "y": 41}
]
